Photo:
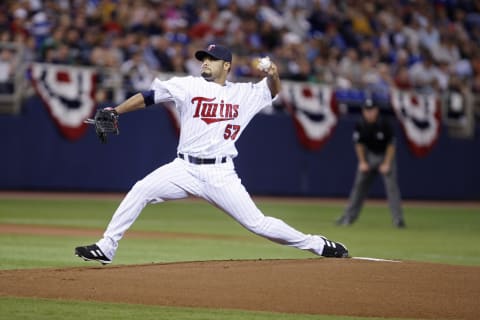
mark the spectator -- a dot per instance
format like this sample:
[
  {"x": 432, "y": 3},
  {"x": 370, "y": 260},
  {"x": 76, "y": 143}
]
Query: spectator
[
  {"x": 90, "y": 39},
  {"x": 369, "y": 72},
  {"x": 192, "y": 65},
  {"x": 401, "y": 78},
  {"x": 40, "y": 28},
  {"x": 446, "y": 50},
  {"x": 136, "y": 73},
  {"x": 321, "y": 71},
  {"x": 269, "y": 36},
  {"x": 161, "y": 49},
  {"x": 19, "y": 24},
  {"x": 300, "y": 70},
  {"x": 4, "y": 21},
  {"x": 425, "y": 76},
  {"x": 429, "y": 36},
  {"x": 7, "y": 70},
  {"x": 412, "y": 31},
  {"x": 379, "y": 82},
  {"x": 334, "y": 38},
  {"x": 62, "y": 55},
  {"x": 349, "y": 67},
  {"x": 73, "y": 42},
  {"x": 296, "y": 20},
  {"x": 360, "y": 13},
  {"x": 106, "y": 55},
  {"x": 104, "y": 33}
]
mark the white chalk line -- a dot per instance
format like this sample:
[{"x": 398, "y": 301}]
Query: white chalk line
[{"x": 374, "y": 259}]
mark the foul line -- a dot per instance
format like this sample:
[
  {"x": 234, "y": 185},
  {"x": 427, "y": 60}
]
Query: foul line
[{"x": 374, "y": 259}]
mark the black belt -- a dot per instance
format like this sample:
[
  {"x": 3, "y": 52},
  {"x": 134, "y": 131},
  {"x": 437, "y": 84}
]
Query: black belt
[{"x": 196, "y": 160}]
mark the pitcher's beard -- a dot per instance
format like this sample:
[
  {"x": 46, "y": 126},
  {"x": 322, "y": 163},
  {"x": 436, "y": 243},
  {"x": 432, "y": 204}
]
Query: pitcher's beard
[{"x": 207, "y": 75}]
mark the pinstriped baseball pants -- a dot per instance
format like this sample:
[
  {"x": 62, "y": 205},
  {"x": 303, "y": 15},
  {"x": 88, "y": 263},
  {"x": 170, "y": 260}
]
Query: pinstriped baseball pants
[{"x": 216, "y": 183}]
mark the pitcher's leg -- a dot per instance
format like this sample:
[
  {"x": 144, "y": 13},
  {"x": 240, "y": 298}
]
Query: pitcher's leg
[
  {"x": 158, "y": 186},
  {"x": 236, "y": 202}
]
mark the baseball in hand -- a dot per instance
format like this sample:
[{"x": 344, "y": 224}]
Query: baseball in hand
[{"x": 264, "y": 64}]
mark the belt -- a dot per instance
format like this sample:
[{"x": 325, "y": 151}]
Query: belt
[{"x": 196, "y": 160}]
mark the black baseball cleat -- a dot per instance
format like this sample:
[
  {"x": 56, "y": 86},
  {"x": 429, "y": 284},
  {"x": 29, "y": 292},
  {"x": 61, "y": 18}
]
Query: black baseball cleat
[
  {"x": 92, "y": 253},
  {"x": 333, "y": 249}
]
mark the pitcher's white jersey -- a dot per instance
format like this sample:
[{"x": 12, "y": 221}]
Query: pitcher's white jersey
[{"x": 212, "y": 116}]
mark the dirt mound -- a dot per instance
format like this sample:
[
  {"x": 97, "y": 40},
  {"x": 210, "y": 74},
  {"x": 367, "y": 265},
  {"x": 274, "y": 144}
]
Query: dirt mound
[{"x": 313, "y": 286}]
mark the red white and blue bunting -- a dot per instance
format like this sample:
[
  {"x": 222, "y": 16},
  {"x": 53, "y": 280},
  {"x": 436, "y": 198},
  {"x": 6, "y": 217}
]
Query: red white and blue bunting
[
  {"x": 420, "y": 117},
  {"x": 314, "y": 111},
  {"x": 68, "y": 93}
]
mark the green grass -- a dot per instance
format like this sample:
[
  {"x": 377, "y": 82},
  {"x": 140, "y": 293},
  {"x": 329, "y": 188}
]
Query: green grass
[
  {"x": 44, "y": 309},
  {"x": 445, "y": 234},
  {"x": 440, "y": 234}
]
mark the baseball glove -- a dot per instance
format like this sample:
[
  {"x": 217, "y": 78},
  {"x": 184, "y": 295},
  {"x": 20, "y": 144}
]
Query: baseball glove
[{"x": 105, "y": 122}]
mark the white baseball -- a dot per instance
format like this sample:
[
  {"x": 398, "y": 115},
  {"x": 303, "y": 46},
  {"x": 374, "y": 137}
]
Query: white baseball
[{"x": 264, "y": 64}]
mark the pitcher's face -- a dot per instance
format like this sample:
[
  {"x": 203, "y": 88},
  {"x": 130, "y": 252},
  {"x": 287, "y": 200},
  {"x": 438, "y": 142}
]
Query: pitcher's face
[{"x": 213, "y": 69}]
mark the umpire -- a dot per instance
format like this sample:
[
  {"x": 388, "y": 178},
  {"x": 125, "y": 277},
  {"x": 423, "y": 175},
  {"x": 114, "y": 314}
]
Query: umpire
[{"x": 375, "y": 149}]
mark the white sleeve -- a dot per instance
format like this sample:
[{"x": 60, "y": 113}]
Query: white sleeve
[
  {"x": 263, "y": 93},
  {"x": 169, "y": 90}
]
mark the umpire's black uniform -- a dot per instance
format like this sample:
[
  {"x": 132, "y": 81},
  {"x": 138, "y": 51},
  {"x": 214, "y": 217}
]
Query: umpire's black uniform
[{"x": 374, "y": 145}]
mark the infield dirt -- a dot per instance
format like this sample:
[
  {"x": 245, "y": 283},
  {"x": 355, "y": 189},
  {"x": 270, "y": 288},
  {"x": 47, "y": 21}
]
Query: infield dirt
[{"x": 311, "y": 286}]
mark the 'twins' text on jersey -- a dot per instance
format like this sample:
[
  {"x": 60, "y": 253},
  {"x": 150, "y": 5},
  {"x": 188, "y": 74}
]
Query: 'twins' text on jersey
[{"x": 209, "y": 111}]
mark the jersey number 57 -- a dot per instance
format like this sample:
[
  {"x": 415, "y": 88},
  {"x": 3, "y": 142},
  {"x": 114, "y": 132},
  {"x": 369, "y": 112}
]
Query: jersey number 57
[{"x": 231, "y": 131}]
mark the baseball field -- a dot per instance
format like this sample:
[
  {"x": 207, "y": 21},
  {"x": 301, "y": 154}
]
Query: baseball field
[{"x": 188, "y": 260}]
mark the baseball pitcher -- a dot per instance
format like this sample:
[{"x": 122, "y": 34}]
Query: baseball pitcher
[{"x": 213, "y": 114}]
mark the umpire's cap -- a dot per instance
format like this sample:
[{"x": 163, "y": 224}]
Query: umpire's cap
[
  {"x": 369, "y": 104},
  {"x": 215, "y": 51}
]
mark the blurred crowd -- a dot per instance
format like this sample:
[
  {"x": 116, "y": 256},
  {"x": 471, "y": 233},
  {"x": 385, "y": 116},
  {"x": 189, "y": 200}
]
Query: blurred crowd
[{"x": 370, "y": 44}]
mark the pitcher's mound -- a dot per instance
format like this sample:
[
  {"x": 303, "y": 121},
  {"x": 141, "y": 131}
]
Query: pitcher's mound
[{"x": 313, "y": 286}]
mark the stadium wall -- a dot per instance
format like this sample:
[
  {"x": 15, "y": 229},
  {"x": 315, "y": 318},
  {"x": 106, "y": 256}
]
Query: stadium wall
[{"x": 271, "y": 160}]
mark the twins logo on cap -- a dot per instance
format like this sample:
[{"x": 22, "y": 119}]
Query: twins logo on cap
[{"x": 215, "y": 51}]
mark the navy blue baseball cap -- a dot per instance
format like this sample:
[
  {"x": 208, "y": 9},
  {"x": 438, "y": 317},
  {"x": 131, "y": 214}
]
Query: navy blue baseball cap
[
  {"x": 369, "y": 104},
  {"x": 215, "y": 51}
]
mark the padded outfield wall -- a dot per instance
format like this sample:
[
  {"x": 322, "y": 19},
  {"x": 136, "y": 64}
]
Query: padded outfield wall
[{"x": 34, "y": 156}]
